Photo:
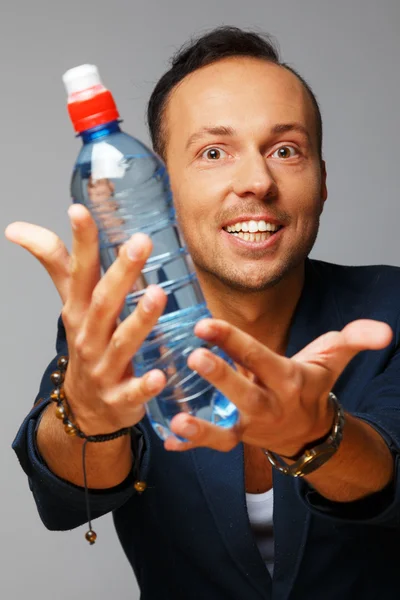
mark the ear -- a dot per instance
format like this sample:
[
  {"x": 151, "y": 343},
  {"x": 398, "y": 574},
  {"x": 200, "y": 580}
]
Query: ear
[{"x": 324, "y": 188}]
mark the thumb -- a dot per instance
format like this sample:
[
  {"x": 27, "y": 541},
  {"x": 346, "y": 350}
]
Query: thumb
[
  {"x": 334, "y": 350},
  {"x": 47, "y": 247},
  {"x": 366, "y": 334}
]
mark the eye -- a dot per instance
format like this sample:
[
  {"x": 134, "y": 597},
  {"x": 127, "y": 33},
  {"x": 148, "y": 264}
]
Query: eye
[
  {"x": 285, "y": 152},
  {"x": 213, "y": 154}
]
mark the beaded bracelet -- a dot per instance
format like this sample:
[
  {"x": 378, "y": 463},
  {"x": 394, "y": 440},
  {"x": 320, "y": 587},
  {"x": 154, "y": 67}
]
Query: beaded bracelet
[{"x": 64, "y": 413}]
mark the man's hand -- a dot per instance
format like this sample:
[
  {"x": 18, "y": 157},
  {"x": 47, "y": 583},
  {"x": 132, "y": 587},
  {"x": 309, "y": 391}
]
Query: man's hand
[
  {"x": 100, "y": 385},
  {"x": 284, "y": 406}
]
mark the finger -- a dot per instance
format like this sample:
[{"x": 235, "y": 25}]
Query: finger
[
  {"x": 243, "y": 392},
  {"x": 85, "y": 262},
  {"x": 131, "y": 333},
  {"x": 200, "y": 433},
  {"x": 47, "y": 248},
  {"x": 109, "y": 294},
  {"x": 133, "y": 393},
  {"x": 335, "y": 350},
  {"x": 270, "y": 368}
]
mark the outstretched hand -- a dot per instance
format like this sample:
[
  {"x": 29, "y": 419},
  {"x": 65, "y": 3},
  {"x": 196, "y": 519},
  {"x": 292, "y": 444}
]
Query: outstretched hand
[{"x": 284, "y": 405}]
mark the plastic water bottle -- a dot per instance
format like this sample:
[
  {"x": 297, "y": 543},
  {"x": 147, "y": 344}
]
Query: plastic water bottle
[{"x": 126, "y": 188}]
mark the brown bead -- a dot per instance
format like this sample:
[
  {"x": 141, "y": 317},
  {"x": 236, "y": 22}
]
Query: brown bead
[
  {"x": 60, "y": 411},
  {"x": 140, "y": 486},
  {"x": 70, "y": 429},
  {"x": 62, "y": 362},
  {"x": 55, "y": 395},
  {"x": 91, "y": 536},
  {"x": 57, "y": 377}
]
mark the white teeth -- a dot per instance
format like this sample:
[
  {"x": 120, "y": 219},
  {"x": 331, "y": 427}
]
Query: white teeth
[
  {"x": 262, "y": 226},
  {"x": 252, "y": 227},
  {"x": 253, "y": 237}
]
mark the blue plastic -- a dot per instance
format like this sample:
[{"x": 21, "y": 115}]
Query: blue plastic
[{"x": 126, "y": 188}]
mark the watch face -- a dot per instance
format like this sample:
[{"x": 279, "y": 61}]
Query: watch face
[{"x": 318, "y": 460}]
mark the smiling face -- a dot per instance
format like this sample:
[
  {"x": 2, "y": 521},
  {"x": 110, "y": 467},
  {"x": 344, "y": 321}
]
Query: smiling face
[{"x": 247, "y": 179}]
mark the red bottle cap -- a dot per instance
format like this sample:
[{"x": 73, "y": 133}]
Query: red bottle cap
[{"x": 90, "y": 104}]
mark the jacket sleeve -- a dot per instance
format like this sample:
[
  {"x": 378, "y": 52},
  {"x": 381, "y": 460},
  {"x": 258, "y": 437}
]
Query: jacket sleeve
[
  {"x": 379, "y": 405},
  {"x": 61, "y": 505}
]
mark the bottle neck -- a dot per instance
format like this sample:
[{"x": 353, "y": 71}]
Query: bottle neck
[{"x": 100, "y": 131}]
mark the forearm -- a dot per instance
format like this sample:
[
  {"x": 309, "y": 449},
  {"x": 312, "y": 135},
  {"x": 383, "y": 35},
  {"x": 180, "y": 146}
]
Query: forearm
[
  {"x": 107, "y": 463},
  {"x": 362, "y": 465}
]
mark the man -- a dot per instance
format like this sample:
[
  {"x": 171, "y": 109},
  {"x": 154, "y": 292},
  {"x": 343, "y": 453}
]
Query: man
[{"x": 241, "y": 136}]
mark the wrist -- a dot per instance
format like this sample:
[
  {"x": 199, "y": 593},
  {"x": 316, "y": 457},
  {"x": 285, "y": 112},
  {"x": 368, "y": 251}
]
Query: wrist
[
  {"x": 315, "y": 439},
  {"x": 65, "y": 414},
  {"x": 91, "y": 418},
  {"x": 316, "y": 435}
]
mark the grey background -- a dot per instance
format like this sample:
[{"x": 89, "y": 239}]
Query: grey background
[{"x": 348, "y": 50}]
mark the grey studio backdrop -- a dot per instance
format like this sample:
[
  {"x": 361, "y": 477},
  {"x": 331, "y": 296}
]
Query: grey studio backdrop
[{"x": 348, "y": 50}]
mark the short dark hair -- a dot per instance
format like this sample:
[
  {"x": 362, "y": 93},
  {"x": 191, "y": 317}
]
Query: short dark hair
[{"x": 222, "y": 42}]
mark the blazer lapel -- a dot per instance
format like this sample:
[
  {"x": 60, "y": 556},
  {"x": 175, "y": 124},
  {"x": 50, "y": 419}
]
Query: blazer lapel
[
  {"x": 291, "y": 523},
  {"x": 221, "y": 475},
  {"x": 316, "y": 312}
]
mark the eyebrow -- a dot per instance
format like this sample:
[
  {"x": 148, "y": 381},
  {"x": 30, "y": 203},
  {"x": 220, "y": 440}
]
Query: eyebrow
[
  {"x": 287, "y": 127},
  {"x": 227, "y": 131},
  {"x": 219, "y": 130}
]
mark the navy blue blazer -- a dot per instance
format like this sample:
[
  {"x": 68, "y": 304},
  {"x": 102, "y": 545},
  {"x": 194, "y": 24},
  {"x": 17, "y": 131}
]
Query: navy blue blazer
[{"x": 188, "y": 535}]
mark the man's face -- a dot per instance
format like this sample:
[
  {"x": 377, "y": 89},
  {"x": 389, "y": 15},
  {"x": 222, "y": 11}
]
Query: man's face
[{"x": 247, "y": 180}]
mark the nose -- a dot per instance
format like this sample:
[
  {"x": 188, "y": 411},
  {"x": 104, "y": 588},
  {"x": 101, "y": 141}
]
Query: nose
[{"x": 253, "y": 177}]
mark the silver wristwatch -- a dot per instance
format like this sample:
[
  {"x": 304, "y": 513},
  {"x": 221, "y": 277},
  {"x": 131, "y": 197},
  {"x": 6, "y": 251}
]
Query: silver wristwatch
[{"x": 310, "y": 459}]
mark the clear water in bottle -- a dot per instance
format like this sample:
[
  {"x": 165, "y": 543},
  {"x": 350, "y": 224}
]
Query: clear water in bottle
[{"x": 126, "y": 188}]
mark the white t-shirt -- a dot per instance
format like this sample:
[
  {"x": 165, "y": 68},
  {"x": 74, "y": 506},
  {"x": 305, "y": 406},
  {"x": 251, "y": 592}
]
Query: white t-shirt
[{"x": 260, "y": 511}]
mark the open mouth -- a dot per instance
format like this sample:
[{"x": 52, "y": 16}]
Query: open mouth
[{"x": 253, "y": 231}]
